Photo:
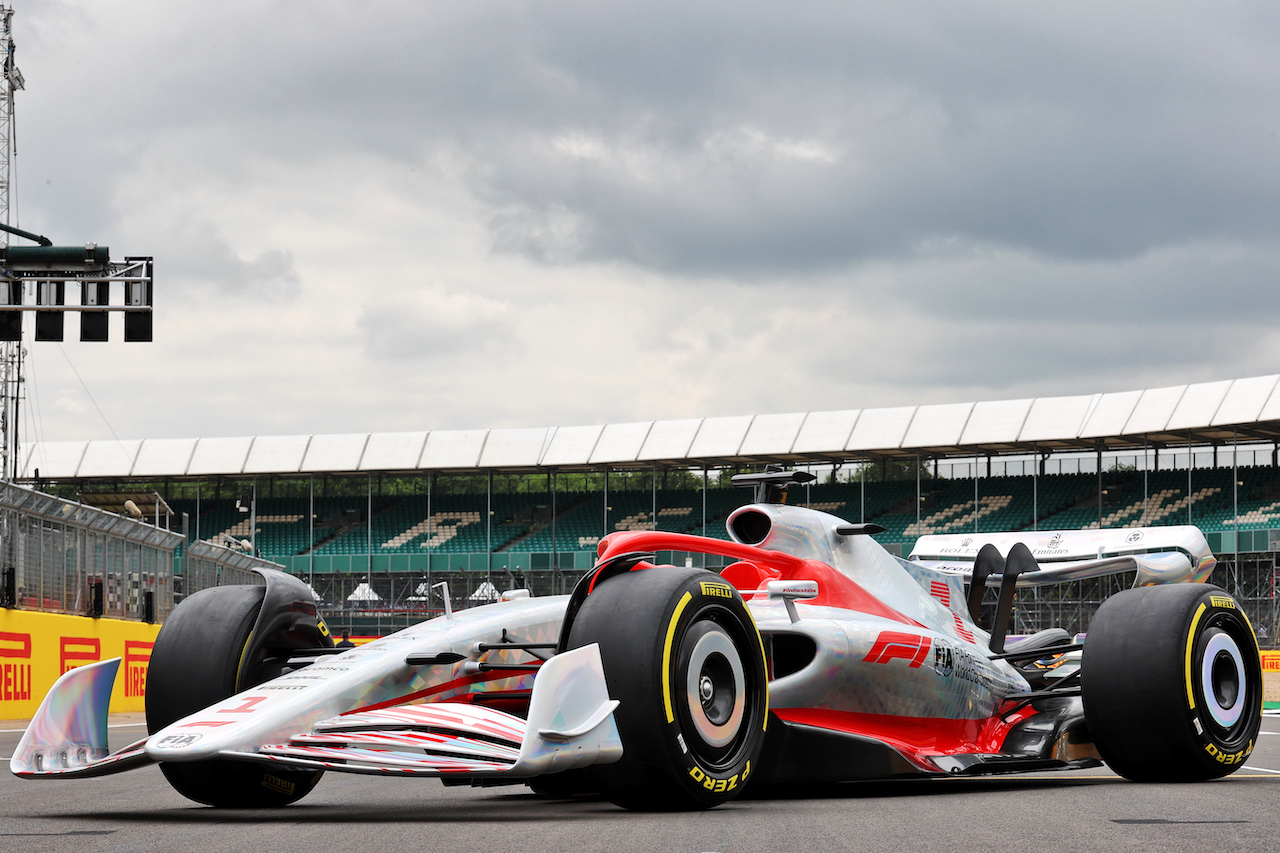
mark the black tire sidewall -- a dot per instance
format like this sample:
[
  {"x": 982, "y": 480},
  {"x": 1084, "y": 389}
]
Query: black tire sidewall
[
  {"x": 197, "y": 661},
  {"x": 1142, "y": 687},
  {"x": 641, "y": 620}
]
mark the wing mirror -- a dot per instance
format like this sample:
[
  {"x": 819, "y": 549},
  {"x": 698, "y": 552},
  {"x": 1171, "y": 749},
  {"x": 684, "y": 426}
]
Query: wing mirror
[{"x": 790, "y": 592}]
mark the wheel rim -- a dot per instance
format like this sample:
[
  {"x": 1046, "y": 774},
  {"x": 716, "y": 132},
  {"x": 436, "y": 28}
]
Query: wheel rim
[
  {"x": 715, "y": 686},
  {"x": 1222, "y": 679}
]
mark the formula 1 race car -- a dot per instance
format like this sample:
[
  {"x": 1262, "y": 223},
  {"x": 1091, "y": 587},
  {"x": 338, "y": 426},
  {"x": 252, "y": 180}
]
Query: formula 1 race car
[{"x": 815, "y": 656}]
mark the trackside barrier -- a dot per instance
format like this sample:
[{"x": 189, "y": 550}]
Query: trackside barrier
[
  {"x": 36, "y": 648},
  {"x": 1271, "y": 678}
]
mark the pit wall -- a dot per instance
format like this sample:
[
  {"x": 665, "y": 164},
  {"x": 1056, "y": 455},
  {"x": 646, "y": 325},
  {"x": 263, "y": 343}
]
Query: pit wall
[{"x": 36, "y": 648}]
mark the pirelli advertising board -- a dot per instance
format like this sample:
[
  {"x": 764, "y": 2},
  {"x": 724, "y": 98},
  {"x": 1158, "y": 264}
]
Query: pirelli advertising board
[{"x": 36, "y": 648}]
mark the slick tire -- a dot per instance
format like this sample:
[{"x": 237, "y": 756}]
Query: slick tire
[
  {"x": 196, "y": 662},
  {"x": 683, "y": 657},
  {"x": 1172, "y": 683}
]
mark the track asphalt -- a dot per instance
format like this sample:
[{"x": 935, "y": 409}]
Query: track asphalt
[{"x": 1089, "y": 810}]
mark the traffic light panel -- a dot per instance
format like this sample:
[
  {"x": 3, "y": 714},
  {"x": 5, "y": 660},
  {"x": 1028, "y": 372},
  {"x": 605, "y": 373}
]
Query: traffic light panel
[
  {"x": 93, "y": 324},
  {"x": 11, "y": 321},
  {"x": 50, "y": 324}
]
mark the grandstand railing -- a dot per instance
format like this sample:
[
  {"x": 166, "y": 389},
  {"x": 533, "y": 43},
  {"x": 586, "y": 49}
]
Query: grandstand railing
[
  {"x": 207, "y": 565},
  {"x": 67, "y": 557}
]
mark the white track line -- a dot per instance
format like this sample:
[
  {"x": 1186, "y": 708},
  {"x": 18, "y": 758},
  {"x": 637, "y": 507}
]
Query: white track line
[{"x": 1261, "y": 769}]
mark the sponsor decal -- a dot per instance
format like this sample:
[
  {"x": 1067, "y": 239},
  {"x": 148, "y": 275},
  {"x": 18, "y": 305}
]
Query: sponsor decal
[
  {"x": 895, "y": 644},
  {"x": 718, "y": 590},
  {"x": 177, "y": 741},
  {"x": 1222, "y": 601},
  {"x": 77, "y": 651},
  {"x": 1054, "y": 544},
  {"x": 275, "y": 783},
  {"x": 956, "y": 662},
  {"x": 245, "y": 706},
  {"x": 944, "y": 662},
  {"x": 15, "y": 676},
  {"x": 1271, "y": 661},
  {"x": 1228, "y": 757},
  {"x": 1135, "y": 536},
  {"x": 711, "y": 783},
  {"x": 137, "y": 657},
  {"x": 966, "y": 542}
]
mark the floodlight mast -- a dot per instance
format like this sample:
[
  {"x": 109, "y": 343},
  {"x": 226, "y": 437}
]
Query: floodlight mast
[
  {"x": 10, "y": 351},
  {"x": 45, "y": 270}
]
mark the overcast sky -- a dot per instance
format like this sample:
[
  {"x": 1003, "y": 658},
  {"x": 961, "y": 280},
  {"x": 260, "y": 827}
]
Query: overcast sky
[{"x": 395, "y": 215}]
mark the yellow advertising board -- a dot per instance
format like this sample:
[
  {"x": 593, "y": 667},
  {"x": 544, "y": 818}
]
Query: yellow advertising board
[{"x": 36, "y": 648}]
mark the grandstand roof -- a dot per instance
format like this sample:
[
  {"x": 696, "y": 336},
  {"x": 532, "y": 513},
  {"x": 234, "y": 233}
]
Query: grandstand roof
[{"x": 1203, "y": 413}]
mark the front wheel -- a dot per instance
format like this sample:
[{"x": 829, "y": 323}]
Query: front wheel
[
  {"x": 1172, "y": 683},
  {"x": 198, "y": 659},
  {"x": 683, "y": 657}
]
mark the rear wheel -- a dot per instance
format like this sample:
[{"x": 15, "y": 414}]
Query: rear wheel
[
  {"x": 683, "y": 657},
  {"x": 196, "y": 662},
  {"x": 1172, "y": 683}
]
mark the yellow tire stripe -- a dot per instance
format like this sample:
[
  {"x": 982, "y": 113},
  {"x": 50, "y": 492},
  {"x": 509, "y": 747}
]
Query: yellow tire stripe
[
  {"x": 1262, "y": 694},
  {"x": 235, "y": 688},
  {"x": 1191, "y": 641},
  {"x": 764, "y": 726},
  {"x": 666, "y": 655}
]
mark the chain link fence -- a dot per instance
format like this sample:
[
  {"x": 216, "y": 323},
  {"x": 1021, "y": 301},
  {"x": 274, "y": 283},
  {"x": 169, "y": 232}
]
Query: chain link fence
[
  {"x": 378, "y": 604},
  {"x": 206, "y": 565}
]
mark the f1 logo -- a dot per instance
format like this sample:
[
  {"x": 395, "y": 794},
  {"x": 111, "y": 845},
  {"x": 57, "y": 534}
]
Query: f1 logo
[{"x": 893, "y": 644}]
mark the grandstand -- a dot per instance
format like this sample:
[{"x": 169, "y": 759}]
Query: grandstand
[{"x": 534, "y": 502}]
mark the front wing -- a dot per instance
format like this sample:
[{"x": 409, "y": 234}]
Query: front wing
[{"x": 570, "y": 725}]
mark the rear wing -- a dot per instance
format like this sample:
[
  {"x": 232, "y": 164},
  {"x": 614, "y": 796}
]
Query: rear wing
[{"x": 1175, "y": 554}]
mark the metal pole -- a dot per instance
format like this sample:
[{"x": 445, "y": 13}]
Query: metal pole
[
  {"x": 1146, "y": 488},
  {"x": 555, "y": 555},
  {"x": 1235, "y": 511},
  {"x": 1035, "y": 488},
  {"x": 704, "y": 508},
  {"x": 1099, "y": 486},
  {"x": 488, "y": 535},
  {"x": 430, "y": 480},
  {"x": 253, "y": 519},
  {"x": 311, "y": 532}
]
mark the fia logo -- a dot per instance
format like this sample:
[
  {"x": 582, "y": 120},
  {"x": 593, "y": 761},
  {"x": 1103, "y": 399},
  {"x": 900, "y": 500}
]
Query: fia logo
[
  {"x": 177, "y": 741},
  {"x": 944, "y": 662}
]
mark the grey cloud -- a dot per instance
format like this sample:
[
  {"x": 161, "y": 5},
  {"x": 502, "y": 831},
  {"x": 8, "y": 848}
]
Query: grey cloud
[
  {"x": 201, "y": 257},
  {"x": 434, "y": 326}
]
